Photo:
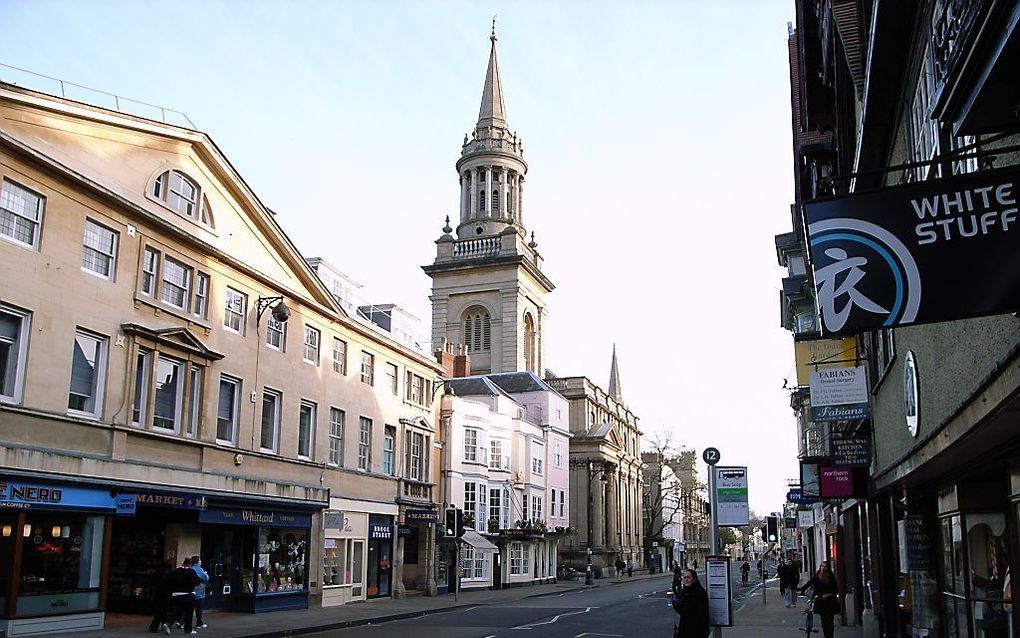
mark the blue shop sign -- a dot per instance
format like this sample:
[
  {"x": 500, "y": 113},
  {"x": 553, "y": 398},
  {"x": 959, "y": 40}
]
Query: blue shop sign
[
  {"x": 267, "y": 518},
  {"x": 380, "y": 532},
  {"x": 126, "y": 504},
  {"x": 24, "y": 495}
]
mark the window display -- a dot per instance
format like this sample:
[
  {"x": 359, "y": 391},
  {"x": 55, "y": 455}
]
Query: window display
[
  {"x": 61, "y": 558},
  {"x": 280, "y": 561}
]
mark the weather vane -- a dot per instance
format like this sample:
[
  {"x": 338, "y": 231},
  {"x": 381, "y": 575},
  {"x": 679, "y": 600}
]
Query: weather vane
[{"x": 493, "y": 36}]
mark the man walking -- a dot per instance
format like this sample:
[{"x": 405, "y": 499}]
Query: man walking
[
  {"x": 630, "y": 568},
  {"x": 196, "y": 566}
]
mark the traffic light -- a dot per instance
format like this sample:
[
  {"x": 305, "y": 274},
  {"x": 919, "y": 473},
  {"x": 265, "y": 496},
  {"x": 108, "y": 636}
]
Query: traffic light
[
  {"x": 772, "y": 529},
  {"x": 454, "y": 523}
]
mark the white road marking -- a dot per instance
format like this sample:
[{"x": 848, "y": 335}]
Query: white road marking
[
  {"x": 555, "y": 618},
  {"x": 591, "y": 634}
]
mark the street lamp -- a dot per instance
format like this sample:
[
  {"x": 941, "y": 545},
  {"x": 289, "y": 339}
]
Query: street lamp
[{"x": 593, "y": 471}]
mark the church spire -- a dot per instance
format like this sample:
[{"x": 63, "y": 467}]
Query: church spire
[
  {"x": 614, "y": 380},
  {"x": 492, "y": 112}
]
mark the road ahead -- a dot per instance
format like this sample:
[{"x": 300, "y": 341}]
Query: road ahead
[{"x": 635, "y": 609}]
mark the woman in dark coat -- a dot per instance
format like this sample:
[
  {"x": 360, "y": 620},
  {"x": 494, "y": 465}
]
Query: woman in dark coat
[
  {"x": 691, "y": 603},
  {"x": 825, "y": 592}
]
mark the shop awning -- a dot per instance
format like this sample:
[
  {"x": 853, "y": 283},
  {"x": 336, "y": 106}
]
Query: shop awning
[{"x": 479, "y": 542}]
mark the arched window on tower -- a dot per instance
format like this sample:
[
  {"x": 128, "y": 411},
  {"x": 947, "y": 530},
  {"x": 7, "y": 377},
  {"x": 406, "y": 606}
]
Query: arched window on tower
[
  {"x": 529, "y": 344},
  {"x": 481, "y": 201},
  {"x": 495, "y": 200},
  {"x": 477, "y": 329}
]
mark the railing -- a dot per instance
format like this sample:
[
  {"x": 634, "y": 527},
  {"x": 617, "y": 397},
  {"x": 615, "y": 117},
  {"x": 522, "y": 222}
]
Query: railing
[
  {"x": 53, "y": 86},
  {"x": 416, "y": 490},
  {"x": 482, "y": 247}
]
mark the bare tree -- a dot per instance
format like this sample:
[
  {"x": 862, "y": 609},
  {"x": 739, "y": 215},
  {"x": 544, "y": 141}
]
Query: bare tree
[{"x": 662, "y": 490}]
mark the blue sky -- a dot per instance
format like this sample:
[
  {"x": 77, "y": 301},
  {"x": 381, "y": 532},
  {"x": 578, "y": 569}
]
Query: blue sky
[{"x": 657, "y": 133}]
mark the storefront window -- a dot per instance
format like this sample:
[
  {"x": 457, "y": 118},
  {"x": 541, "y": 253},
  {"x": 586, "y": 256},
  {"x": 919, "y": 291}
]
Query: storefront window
[
  {"x": 988, "y": 556},
  {"x": 60, "y": 563},
  {"x": 281, "y": 560},
  {"x": 8, "y": 526},
  {"x": 952, "y": 577}
]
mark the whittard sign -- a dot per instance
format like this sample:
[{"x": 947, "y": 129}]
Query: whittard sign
[
  {"x": 839, "y": 394},
  {"x": 918, "y": 253}
]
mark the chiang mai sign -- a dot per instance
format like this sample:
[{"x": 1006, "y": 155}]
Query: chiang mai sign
[{"x": 918, "y": 253}]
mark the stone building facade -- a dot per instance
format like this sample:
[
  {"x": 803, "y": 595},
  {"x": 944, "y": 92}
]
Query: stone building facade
[{"x": 177, "y": 381}]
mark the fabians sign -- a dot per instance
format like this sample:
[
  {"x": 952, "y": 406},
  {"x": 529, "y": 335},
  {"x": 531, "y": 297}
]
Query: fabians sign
[{"x": 919, "y": 253}]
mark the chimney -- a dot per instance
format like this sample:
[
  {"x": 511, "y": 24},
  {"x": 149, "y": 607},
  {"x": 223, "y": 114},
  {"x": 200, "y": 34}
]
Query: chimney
[
  {"x": 445, "y": 358},
  {"x": 462, "y": 365}
]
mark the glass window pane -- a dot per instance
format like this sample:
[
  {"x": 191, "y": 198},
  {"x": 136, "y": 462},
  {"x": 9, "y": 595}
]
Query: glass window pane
[
  {"x": 226, "y": 412},
  {"x": 141, "y": 387},
  {"x": 86, "y": 373},
  {"x": 169, "y": 394},
  {"x": 270, "y": 420}
]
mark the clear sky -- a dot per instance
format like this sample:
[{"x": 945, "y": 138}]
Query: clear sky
[{"x": 658, "y": 137}]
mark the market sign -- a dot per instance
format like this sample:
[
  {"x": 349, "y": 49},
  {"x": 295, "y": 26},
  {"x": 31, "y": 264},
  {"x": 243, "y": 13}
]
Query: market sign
[
  {"x": 850, "y": 450},
  {"x": 824, "y": 354},
  {"x": 731, "y": 496},
  {"x": 421, "y": 516},
  {"x": 839, "y": 394},
  {"x": 918, "y": 253}
]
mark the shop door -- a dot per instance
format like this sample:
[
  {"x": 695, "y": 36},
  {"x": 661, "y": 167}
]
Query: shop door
[
  {"x": 221, "y": 557},
  {"x": 380, "y": 568}
]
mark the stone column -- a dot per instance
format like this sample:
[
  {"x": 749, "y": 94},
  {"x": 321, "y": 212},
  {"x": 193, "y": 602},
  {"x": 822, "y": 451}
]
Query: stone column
[
  {"x": 612, "y": 517},
  {"x": 504, "y": 194},
  {"x": 473, "y": 198},
  {"x": 599, "y": 511},
  {"x": 399, "y": 591},
  {"x": 465, "y": 197},
  {"x": 520, "y": 200},
  {"x": 488, "y": 191}
]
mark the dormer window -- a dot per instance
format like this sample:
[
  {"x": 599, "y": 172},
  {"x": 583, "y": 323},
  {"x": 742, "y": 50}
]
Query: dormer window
[{"x": 182, "y": 194}]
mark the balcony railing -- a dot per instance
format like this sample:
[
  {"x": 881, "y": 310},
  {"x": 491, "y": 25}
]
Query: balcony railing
[
  {"x": 482, "y": 247},
  {"x": 416, "y": 490}
]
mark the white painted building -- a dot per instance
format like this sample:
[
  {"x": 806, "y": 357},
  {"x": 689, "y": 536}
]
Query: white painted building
[{"x": 506, "y": 466}]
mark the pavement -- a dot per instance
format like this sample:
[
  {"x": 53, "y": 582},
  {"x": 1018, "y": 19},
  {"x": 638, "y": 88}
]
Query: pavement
[{"x": 752, "y": 617}]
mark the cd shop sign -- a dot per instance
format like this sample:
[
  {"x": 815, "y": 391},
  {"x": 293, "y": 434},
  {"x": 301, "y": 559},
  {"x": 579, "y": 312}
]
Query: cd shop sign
[
  {"x": 918, "y": 253},
  {"x": 840, "y": 394}
]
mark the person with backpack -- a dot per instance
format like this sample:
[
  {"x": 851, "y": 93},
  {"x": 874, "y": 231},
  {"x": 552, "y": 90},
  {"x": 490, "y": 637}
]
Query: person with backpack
[
  {"x": 203, "y": 576},
  {"x": 826, "y": 604}
]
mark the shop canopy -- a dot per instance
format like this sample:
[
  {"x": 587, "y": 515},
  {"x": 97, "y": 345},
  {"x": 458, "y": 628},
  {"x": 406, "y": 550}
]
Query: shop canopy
[{"x": 479, "y": 542}]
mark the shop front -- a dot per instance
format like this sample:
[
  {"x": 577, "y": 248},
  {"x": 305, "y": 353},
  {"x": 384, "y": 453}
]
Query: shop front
[
  {"x": 358, "y": 551},
  {"x": 257, "y": 559},
  {"x": 53, "y": 538}
]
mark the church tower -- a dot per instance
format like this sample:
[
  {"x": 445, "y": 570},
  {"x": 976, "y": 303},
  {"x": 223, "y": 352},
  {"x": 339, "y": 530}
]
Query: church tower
[{"x": 488, "y": 289}]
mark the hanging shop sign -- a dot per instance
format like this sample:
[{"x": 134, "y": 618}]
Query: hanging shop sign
[
  {"x": 268, "y": 518},
  {"x": 797, "y": 497},
  {"x": 839, "y": 394},
  {"x": 823, "y": 354},
  {"x": 836, "y": 482},
  {"x": 805, "y": 518},
  {"x": 16, "y": 494},
  {"x": 731, "y": 496},
  {"x": 911, "y": 389},
  {"x": 918, "y": 253},
  {"x": 850, "y": 450},
  {"x": 809, "y": 480},
  {"x": 404, "y": 530}
]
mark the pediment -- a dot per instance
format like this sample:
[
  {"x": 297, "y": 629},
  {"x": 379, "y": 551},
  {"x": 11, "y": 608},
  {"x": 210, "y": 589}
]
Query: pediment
[
  {"x": 418, "y": 422},
  {"x": 180, "y": 339}
]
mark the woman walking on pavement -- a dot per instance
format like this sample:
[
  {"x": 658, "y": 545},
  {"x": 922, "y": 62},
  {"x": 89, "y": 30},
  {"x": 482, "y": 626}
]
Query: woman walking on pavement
[
  {"x": 691, "y": 603},
  {"x": 826, "y": 603}
]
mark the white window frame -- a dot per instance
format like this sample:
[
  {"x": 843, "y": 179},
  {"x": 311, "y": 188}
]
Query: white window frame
[
  {"x": 337, "y": 423},
  {"x": 536, "y": 508},
  {"x": 312, "y": 342},
  {"x": 389, "y": 450},
  {"x": 200, "y": 304},
  {"x": 231, "y": 314},
  {"x": 416, "y": 451},
  {"x": 235, "y": 409},
  {"x": 8, "y": 191},
  {"x": 277, "y": 329},
  {"x": 393, "y": 372},
  {"x": 275, "y": 415},
  {"x": 18, "y": 354},
  {"x": 186, "y": 294},
  {"x": 563, "y": 503},
  {"x": 470, "y": 504},
  {"x": 559, "y": 454},
  {"x": 339, "y": 356},
  {"x": 495, "y": 453},
  {"x": 306, "y": 429},
  {"x": 537, "y": 459},
  {"x": 496, "y": 506},
  {"x": 99, "y": 372},
  {"x": 196, "y": 374},
  {"x": 150, "y": 272},
  {"x": 114, "y": 238},
  {"x": 367, "y": 368},
  {"x": 178, "y": 417},
  {"x": 365, "y": 443},
  {"x": 143, "y": 379},
  {"x": 471, "y": 436},
  {"x": 174, "y": 196}
]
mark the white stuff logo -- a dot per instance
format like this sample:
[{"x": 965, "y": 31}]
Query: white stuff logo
[
  {"x": 851, "y": 255},
  {"x": 967, "y": 213}
]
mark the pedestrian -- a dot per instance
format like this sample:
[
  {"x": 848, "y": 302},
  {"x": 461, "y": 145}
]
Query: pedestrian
[
  {"x": 161, "y": 598},
  {"x": 620, "y": 566},
  {"x": 183, "y": 581},
  {"x": 196, "y": 566},
  {"x": 695, "y": 566},
  {"x": 745, "y": 569},
  {"x": 630, "y": 568},
  {"x": 781, "y": 576},
  {"x": 826, "y": 603},
  {"x": 691, "y": 603},
  {"x": 792, "y": 581}
]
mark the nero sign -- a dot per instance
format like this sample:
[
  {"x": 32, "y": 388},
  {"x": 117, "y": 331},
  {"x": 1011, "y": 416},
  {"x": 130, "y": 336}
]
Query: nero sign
[{"x": 918, "y": 253}]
